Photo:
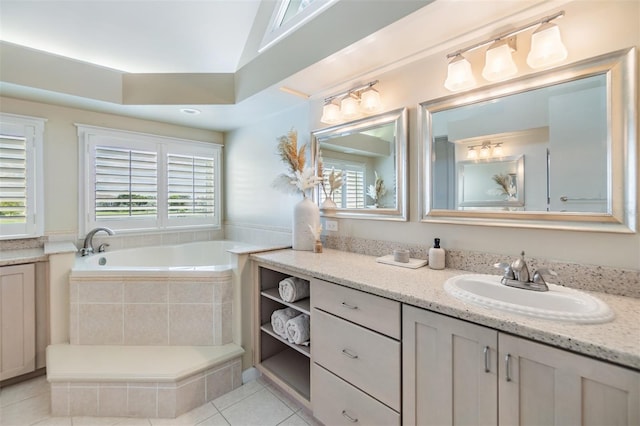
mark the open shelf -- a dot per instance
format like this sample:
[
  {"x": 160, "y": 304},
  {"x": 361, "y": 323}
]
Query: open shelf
[
  {"x": 304, "y": 350},
  {"x": 292, "y": 368},
  {"x": 302, "y": 305}
]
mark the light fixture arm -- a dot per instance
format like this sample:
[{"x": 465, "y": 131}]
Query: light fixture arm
[
  {"x": 353, "y": 90},
  {"x": 507, "y": 34}
]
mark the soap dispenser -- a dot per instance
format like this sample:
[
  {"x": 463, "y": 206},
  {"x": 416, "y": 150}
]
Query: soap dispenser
[{"x": 436, "y": 255}]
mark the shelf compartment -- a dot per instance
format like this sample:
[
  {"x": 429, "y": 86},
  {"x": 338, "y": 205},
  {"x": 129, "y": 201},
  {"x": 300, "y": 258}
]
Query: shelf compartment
[
  {"x": 302, "y": 305},
  {"x": 290, "y": 367},
  {"x": 304, "y": 350}
]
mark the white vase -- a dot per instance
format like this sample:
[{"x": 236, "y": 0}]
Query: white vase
[
  {"x": 305, "y": 213},
  {"x": 328, "y": 204}
]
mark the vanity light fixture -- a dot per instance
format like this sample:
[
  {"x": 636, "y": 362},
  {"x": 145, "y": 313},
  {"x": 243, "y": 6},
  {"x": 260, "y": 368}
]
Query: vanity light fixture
[
  {"x": 485, "y": 150},
  {"x": 353, "y": 102},
  {"x": 472, "y": 154},
  {"x": 330, "y": 113},
  {"x": 460, "y": 76},
  {"x": 546, "y": 49}
]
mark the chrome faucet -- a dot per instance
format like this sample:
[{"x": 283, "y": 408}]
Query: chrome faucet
[
  {"x": 517, "y": 275},
  {"x": 87, "y": 249}
]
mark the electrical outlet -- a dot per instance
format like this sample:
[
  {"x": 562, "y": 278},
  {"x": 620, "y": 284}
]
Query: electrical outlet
[{"x": 331, "y": 225}]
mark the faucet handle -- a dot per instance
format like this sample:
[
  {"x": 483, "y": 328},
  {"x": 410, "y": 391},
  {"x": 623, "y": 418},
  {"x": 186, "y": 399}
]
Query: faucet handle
[
  {"x": 508, "y": 271},
  {"x": 538, "y": 275},
  {"x": 102, "y": 247}
]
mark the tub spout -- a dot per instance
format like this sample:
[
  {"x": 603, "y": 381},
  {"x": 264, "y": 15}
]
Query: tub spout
[{"x": 87, "y": 249}]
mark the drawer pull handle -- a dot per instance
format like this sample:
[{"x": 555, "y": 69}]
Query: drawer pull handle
[
  {"x": 507, "y": 364},
  {"x": 487, "y": 365},
  {"x": 346, "y": 305},
  {"x": 351, "y": 419},
  {"x": 349, "y": 354}
]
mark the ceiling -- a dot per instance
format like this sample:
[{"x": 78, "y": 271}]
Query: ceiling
[{"x": 117, "y": 39}]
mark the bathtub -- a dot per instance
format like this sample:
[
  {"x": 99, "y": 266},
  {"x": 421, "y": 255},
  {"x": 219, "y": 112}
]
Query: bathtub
[
  {"x": 205, "y": 256},
  {"x": 186, "y": 294}
]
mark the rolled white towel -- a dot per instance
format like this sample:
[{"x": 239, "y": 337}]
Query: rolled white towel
[
  {"x": 292, "y": 289},
  {"x": 298, "y": 329},
  {"x": 279, "y": 320}
]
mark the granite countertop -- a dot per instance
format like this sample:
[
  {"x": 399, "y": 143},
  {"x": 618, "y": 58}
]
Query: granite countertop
[
  {"x": 617, "y": 341},
  {"x": 19, "y": 256}
]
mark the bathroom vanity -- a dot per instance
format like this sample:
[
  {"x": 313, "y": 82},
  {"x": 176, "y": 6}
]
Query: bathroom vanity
[{"x": 390, "y": 346}]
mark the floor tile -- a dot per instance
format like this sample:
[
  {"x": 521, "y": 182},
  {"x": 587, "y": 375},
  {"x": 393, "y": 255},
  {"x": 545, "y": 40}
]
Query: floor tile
[
  {"x": 284, "y": 397},
  {"x": 294, "y": 420},
  {"x": 260, "y": 409},
  {"x": 191, "y": 418},
  {"x": 27, "y": 411},
  {"x": 23, "y": 390},
  {"x": 95, "y": 421},
  {"x": 237, "y": 394},
  {"x": 133, "y": 422},
  {"x": 217, "y": 420}
]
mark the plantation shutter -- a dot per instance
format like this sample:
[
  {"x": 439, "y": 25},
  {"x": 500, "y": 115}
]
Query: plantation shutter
[
  {"x": 191, "y": 185},
  {"x": 13, "y": 180},
  {"x": 126, "y": 183}
]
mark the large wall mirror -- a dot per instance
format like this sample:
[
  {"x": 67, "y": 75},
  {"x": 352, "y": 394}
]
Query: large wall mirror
[
  {"x": 556, "y": 149},
  {"x": 371, "y": 156}
]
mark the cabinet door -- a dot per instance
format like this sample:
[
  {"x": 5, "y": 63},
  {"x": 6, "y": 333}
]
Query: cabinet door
[
  {"x": 449, "y": 373},
  {"x": 17, "y": 320},
  {"x": 544, "y": 385}
]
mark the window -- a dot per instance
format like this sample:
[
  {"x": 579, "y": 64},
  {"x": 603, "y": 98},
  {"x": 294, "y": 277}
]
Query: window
[
  {"x": 137, "y": 181},
  {"x": 21, "y": 182},
  {"x": 288, "y": 16},
  {"x": 351, "y": 194}
]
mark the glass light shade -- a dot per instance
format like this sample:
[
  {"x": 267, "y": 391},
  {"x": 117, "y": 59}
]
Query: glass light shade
[
  {"x": 349, "y": 107},
  {"x": 497, "y": 150},
  {"x": 546, "y": 46},
  {"x": 330, "y": 113},
  {"x": 459, "y": 75},
  {"x": 485, "y": 151},
  {"x": 370, "y": 101},
  {"x": 499, "y": 63},
  {"x": 472, "y": 154}
]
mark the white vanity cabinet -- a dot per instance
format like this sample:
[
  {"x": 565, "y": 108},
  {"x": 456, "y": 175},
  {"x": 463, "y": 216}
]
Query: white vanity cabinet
[
  {"x": 356, "y": 356},
  {"x": 17, "y": 320},
  {"x": 455, "y": 372}
]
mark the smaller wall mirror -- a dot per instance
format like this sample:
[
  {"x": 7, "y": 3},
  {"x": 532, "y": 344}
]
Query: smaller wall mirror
[
  {"x": 371, "y": 156},
  {"x": 491, "y": 183}
]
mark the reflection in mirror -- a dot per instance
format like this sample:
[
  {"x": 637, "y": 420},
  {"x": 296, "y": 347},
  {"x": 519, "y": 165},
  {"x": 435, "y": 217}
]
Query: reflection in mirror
[
  {"x": 486, "y": 184},
  {"x": 575, "y": 126},
  {"x": 369, "y": 155}
]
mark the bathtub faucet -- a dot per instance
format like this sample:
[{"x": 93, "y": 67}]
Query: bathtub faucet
[{"x": 88, "y": 241}]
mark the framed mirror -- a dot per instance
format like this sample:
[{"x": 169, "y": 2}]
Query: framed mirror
[
  {"x": 556, "y": 149},
  {"x": 370, "y": 156}
]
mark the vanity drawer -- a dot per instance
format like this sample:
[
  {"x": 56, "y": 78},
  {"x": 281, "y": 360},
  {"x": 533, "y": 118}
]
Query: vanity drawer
[
  {"x": 337, "y": 403},
  {"x": 374, "y": 312},
  {"x": 368, "y": 360}
]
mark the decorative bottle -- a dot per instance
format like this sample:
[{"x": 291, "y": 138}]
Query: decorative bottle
[{"x": 436, "y": 255}]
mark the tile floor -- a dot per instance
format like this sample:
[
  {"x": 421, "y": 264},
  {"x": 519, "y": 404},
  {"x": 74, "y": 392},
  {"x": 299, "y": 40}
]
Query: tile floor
[{"x": 255, "y": 403}]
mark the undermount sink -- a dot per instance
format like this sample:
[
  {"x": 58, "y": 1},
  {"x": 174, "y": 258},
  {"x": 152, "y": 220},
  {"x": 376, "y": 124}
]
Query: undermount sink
[{"x": 558, "y": 304}]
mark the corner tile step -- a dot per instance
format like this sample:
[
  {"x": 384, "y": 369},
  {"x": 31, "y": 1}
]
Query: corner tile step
[{"x": 139, "y": 381}]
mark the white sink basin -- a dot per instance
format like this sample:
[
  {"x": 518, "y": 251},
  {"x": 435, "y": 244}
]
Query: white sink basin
[{"x": 558, "y": 304}]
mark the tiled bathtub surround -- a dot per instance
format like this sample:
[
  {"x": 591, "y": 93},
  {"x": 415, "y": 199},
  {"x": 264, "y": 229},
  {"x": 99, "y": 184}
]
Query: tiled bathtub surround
[
  {"x": 142, "y": 399},
  {"x": 130, "y": 310},
  {"x": 621, "y": 282}
]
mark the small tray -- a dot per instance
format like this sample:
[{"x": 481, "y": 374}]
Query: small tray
[{"x": 413, "y": 263}]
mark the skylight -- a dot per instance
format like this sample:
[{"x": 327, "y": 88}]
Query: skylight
[{"x": 288, "y": 16}]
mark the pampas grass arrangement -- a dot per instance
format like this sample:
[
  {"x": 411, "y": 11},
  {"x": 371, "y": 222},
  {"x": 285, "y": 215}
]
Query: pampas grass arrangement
[{"x": 298, "y": 179}]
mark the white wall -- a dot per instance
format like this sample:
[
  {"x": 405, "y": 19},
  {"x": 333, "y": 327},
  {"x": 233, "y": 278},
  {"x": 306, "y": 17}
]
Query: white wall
[
  {"x": 589, "y": 29},
  {"x": 61, "y": 184}
]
